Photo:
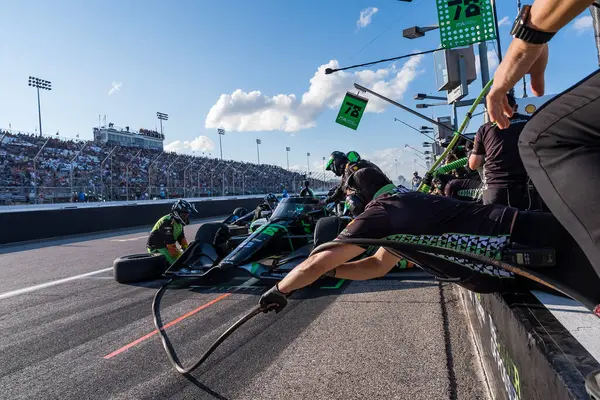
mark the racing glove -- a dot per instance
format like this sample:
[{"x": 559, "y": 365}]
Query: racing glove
[
  {"x": 184, "y": 243},
  {"x": 273, "y": 299}
]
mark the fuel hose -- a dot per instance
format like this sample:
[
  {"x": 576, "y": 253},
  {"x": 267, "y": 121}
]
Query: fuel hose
[{"x": 451, "y": 166}]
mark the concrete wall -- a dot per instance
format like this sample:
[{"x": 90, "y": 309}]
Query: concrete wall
[{"x": 32, "y": 224}]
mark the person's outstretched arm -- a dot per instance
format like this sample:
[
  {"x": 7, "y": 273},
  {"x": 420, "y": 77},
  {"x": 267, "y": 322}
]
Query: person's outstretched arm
[{"x": 525, "y": 58}]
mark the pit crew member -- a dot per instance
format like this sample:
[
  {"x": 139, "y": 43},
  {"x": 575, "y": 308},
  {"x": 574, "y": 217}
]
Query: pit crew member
[
  {"x": 390, "y": 210},
  {"x": 306, "y": 191},
  {"x": 168, "y": 232},
  {"x": 559, "y": 145},
  {"x": 343, "y": 165}
]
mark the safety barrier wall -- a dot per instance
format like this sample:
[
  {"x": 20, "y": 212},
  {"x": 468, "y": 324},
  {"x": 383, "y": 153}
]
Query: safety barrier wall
[
  {"x": 526, "y": 352},
  {"x": 24, "y": 224}
]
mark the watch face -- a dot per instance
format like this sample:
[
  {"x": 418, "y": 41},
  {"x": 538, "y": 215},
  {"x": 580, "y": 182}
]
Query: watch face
[{"x": 521, "y": 19}]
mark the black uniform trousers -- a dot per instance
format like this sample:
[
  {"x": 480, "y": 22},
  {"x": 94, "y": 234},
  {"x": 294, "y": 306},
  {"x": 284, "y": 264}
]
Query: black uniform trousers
[{"x": 560, "y": 148}]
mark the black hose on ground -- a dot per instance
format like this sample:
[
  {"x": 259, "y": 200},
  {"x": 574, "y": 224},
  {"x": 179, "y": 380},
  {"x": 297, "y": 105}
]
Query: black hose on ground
[{"x": 167, "y": 343}]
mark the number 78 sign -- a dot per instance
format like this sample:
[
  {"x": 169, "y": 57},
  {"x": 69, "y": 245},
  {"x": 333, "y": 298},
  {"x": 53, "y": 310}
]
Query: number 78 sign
[
  {"x": 464, "y": 22},
  {"x": 351, "y": 110}
]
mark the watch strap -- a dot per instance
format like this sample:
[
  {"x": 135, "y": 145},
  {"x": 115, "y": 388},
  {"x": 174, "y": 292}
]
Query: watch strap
[{"x": 531, "y": 35}]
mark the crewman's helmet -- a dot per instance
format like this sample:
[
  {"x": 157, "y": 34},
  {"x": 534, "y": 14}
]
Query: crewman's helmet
[
  {"x": 271, "y": 200},
  {"x": 181, "y": 211},
  {"x": 336, "y": 163}
]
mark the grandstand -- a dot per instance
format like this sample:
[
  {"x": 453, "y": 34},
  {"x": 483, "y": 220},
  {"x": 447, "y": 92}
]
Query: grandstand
[{"x": 38, "y": 169}]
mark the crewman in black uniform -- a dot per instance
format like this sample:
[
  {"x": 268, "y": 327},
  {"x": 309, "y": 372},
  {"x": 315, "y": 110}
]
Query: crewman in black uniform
[
  {"x": 506, "y": 180},
  {"x": 397, "y": 213},
  {"x": 344, "y": 165}
]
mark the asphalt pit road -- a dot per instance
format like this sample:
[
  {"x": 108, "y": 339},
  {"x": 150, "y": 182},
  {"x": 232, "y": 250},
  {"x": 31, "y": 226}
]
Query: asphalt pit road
[{"x": 244, "y": 354}]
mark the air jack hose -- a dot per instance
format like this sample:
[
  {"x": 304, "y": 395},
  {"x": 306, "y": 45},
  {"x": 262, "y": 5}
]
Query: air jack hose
[{"x": 167, "y": 343}]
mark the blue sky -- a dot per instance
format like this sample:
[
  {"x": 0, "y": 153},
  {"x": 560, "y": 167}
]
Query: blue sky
[{"x": 180, "y": 57}]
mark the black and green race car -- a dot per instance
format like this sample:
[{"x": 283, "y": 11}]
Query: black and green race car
[{"x": 266, "y": 248}]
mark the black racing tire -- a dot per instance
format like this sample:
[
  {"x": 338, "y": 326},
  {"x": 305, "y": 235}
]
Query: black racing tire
[
  {"x": 139, "y": 267},
  {"x": 240, "y": 212},
  {"x": 328, "y": 228}
]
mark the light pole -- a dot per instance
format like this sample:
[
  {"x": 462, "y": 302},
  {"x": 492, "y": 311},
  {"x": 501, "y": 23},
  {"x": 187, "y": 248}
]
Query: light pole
[
  {"x": 258, "y": 142},
  {"x": 127, "y": 174},
  {"x": 221, "y": 133},
  {"x": 244, "y": 181},
  {"x": 413, "y": 149},
  {"x": 307, "y": 164},
  {"x": 323, "y": 167},
  {"x": 35, "y": 165},
  {"x": 287, "y": 153},
  {"x": 71, "y": 166},
  {"x": 422, "y": 131},
  {"x": 454, "y": 109},
  {"x": 223, "y": 182},
  {"x": 39, "y": 84},
  {"x": 184, "y": 181},
  {"x": 162, "y": 117},
  {"x": 212, "y": 174},
  {"x": 102, "y": 172},
  {"x": 150, "y": 176},
  {"x": 168, "y": 173}
]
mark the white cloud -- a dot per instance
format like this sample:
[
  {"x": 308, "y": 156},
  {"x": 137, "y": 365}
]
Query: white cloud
[
  {"x": 115, "y": 88},
  {"x": 366, "y": 16},
  {"x": 254, "y": 111},
  {"x": 583, "y": 23},
  {"x": 492, "y": 62},
  {"x": 201, "y": 143},
  {"x": 504, "y": 21}
]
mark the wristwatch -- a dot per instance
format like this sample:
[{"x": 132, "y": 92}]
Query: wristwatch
[{"x": 520, "y": 30}]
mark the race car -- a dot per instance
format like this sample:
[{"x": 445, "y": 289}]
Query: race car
[
  {"x": 241, "y": 217},
  {"x": 242, "y": 246},
  {"x": 266, "y": 249}
]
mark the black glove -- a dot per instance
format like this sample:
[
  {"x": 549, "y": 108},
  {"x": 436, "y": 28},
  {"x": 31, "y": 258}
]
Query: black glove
[{"x": 273, "y": 299}]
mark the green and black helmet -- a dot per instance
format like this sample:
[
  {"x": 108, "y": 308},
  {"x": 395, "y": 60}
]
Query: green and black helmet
[
  {"x": 336, "y": 163},
  {"x": 181, "y": 211},
  {"x": 353, "y": 156}
]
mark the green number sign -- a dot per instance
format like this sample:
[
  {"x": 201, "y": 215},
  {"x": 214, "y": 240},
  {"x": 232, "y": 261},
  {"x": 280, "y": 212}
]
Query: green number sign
[
  {"x": 464, "y": 22},
  {"x": 351, "y": 111}
]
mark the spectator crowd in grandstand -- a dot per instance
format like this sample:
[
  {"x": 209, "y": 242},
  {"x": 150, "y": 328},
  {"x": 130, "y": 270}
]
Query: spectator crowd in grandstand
[{"x": 117, "y": 173}]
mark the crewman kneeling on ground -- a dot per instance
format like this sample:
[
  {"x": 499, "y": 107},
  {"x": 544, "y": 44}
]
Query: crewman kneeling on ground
[
  {"x": 168, "y": 231},
  {"x": 384, "y": 211}
]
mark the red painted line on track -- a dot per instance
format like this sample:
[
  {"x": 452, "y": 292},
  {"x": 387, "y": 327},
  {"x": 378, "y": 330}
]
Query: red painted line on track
[{"x": 149, "y": 335}]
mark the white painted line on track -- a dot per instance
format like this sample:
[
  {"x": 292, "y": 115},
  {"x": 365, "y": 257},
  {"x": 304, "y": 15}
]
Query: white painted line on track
[
  {"x": 129, "y": 240},
  {"x": 50, "y": 284}
]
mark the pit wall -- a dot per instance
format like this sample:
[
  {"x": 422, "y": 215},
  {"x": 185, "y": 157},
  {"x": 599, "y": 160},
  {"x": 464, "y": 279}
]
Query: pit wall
[{"x": 526, "y": 353}]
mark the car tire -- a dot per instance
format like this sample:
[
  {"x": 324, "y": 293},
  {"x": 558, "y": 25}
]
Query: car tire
[
  {"x": 139, "y": 267},
  {"x": 328, "y": 228},
  {"x": 240, "y": 212}
]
